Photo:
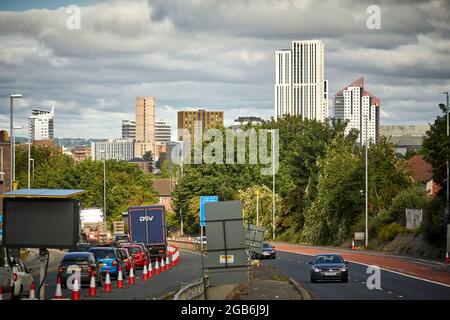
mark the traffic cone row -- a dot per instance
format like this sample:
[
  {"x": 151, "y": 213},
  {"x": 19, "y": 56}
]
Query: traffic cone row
[{"x": 161, "y": 265}]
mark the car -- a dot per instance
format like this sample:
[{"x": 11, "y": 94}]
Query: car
[
  {"x": 329, "y": 266},
  {"x": 127, "y": 259},
  {"x": 142, "y": 245},
  {"x": 138, "y": 253},
  {"x": 6, "y": 275},
  {"x": 121, "y": 239},
  {"x": 23, "y": 279},
  {"x": 268, "y": 251},
  {"x": 109, "y": 258},
  {"x": 85, "y": 263},
  {"x": 81, "y": 247},
  {"x": 200, "y": 240}
]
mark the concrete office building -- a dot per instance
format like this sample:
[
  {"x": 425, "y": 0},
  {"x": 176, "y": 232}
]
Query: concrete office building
[
  {"x": 115, "y": 149},
  {"x": 300, "y": 88},
  {"x": 353, "y": 104},
  {"x": 128, "y": 129},
  {"x": 405, "y": 137},
  {"x": 195, "y": 122},
  {"x": 41, "y": 124},
  {"x": 145, "y": 125}
]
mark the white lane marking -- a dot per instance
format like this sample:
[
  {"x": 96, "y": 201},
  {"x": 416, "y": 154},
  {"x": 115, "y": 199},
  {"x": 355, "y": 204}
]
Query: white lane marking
[
  {"x": 390, "y": 292},
  {"x": 400, "y": 296},
  {"x": 384, "y": 269}
]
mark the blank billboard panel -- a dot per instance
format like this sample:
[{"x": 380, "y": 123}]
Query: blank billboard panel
[{"x": 40, "y": 223}]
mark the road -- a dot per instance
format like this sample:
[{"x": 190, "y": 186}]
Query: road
[
  {"x": 393, "y": 286},
  {"x": 187, "y": 271}
]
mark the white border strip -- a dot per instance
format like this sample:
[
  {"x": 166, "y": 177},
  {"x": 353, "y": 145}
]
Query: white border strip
[{"x": 384, "y": 269}]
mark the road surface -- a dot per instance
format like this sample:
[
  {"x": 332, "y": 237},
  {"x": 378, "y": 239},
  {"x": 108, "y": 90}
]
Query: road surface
[{"x": 393, "y": 286}]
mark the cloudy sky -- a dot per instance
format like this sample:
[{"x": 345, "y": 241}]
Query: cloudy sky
[{"x": 211, "y": 54}]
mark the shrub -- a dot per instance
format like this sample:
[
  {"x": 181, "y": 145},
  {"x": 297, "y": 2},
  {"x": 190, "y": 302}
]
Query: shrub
[{"x": 390, "y": 231}]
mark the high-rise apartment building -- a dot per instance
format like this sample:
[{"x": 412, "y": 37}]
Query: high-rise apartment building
[
  {"x": 357, "y": 106},
  {"x": 41, "y": 124},
  {"x": 300, "y": 88},
  {"x": 128, "y": 129},
  {"x": 145, "y": 125},
  {"x": 195, "y": 122},
  {"x": 113, "y": 149}
]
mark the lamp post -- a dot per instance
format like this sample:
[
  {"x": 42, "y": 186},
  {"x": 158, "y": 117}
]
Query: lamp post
[
  {"x": 104, "y": 184},
  {"x": 13, "y": 173},
  {"x": 11, "y": 127},
  {"x": 29, "y": 152},
  {"x": 32, "y": 170},
  {"x": 257, "y": 208},
  {"x": 273, "y": 182}
]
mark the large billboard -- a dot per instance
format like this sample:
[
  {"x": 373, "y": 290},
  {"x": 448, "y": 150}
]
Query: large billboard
[{"x": 40, "y": 223}]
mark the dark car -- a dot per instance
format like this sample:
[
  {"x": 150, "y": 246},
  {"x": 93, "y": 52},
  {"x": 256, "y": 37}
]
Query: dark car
[
  {"x": 329, "y": 266},
  {"x": 268, "y": 251},
  {"x": 121, "y": 239},
  {"x": 109, "y": 258},
  {"x": 85, "y": 262},
  {"x": 81, "y": 247}
]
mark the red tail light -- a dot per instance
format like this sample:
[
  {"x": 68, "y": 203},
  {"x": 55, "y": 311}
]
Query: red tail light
[
  {"x": 61, "y": 269},
  {"x": 89, "y": 269},
  {"x": 115, "y": 263},
  {"x": 15, "y": 276}
]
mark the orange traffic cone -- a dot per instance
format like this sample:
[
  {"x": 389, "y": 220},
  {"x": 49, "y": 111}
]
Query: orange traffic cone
[
  {"x": 150, "y": 269},
  {"x": 32, "y": 295},
  {"x": 447, "y": 259},
  {"x": 156, "y": 266},
  {"x": 172, "y": 259},
  {"x": 145, "y": 273},
  {"x": 120, "y": 278},
  {"x": 167, "y": 262},
  {"x": 58, "y": 293},
  {"x": 131, "y": 277},
  {"x": 163, "y": 265},
  {"x": 353, "y": 245},
  {"x": 92, "y": 286},
  {"x": 76, "y": 290},
  {"x": 107, "y": 287}
]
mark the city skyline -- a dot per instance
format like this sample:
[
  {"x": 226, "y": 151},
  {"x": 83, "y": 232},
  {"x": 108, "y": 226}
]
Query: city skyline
[{"x": 405, "y": 62}]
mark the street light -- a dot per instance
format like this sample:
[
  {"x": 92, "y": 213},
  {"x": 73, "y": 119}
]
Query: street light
[
  {"x": 104, "y": 184},
  {"x": 273, "y": 182},
  {"x": 13, "y": 173},
  {"x": 11, "y": 127}
]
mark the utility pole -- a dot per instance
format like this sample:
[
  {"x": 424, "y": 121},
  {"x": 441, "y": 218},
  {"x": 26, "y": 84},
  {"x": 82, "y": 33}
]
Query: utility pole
[
  {"x": 11, "y": 139},
  {"x": 257, "y": 207},
  {"x": 447, "y": 176}
]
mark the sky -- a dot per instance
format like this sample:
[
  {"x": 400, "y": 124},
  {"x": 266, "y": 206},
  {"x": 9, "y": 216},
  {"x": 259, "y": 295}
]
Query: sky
[{"x": 212, "y": 54}]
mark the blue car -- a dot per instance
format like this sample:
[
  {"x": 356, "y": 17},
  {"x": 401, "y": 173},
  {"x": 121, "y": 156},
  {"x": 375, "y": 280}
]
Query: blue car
[{"x": 109, "y": 258}]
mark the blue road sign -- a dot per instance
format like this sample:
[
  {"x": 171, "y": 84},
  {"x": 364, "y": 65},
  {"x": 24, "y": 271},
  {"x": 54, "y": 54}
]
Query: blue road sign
[{"x": 203, "y": 200}]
